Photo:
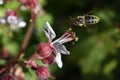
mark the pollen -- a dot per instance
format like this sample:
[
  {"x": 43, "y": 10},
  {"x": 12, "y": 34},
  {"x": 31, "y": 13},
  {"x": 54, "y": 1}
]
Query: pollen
[
  {"x": 73, "y": 34},
  {"x": 76, "y": 38}
]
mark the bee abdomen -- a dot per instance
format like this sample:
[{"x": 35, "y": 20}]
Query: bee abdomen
[{"x": 91, "y": 19}]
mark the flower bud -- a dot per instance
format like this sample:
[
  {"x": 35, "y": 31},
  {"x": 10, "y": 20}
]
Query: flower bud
[
  {"x": 44, "y": 50},
  {"x": 32, "y": 3},
  {"x": 43, "y": 72},
  {"x": 12, "y": 13},
  {"x": 49, "y": 60}
]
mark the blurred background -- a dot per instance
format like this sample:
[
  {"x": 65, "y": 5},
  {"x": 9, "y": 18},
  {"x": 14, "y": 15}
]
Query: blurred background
[{"x": 95, "y": 56}]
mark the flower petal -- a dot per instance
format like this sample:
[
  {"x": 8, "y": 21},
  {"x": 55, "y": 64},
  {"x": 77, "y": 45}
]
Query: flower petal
[
  {"x": 50, "y": 34},
  {"x": 23, "y": 8},
  {"x": 12, "y": 20},
  {"x": 66, "y": 37},
  {"x": 21, "y": 23},
  {"x": 61, "y": 48},
  {"x": 58, "y": 60}
]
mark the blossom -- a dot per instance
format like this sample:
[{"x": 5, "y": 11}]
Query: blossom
[
  {"x": 33, "y": 5},
  {"x": 13, "y": 20},
  {"x": 41, "y": 71},
  {"x": 55, "y": 46},
  {"x": 29, "y": 3}
]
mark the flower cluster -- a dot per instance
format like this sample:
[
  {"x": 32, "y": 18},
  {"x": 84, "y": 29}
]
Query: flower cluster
[
  {"x": 29, "y": 3},
  {"x": 50, "y": 51},
  {"x": 13, "y": 20},
  {"x": 32, "y": 5},
  {"x": 41, "y": 71}
]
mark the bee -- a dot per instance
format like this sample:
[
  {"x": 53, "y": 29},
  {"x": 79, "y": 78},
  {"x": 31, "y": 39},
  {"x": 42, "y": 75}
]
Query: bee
[{"x": 85, "y": 20}]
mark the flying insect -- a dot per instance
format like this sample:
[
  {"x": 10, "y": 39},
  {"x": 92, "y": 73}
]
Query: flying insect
[{"x": 85, "y": 20}]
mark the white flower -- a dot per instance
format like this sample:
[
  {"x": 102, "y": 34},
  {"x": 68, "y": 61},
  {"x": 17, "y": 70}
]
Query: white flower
[
  {"x": 13, "y": 20},
  {"x": 58, "y": 43}
]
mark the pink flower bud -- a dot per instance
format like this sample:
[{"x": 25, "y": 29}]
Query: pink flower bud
[
  {"x": 44, "y": 50},
  {"x": 49, "y": 60},
  {"x": 32, "y": 3},
  {"x": 12, "y": 13},
  {"x": 43, "y": 72}
]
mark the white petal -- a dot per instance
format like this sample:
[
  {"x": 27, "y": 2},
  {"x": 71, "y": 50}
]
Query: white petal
[
  {"x": 21, "y": 24},
  {"x": 47, "y": 35},
  {"x": 58, "y": 60},
  {"x": 23, "y": 8},
  {"x": 50, "y": 31},
  {"x": 12, "y": 20},
  {"x": 61, "y": 48}
]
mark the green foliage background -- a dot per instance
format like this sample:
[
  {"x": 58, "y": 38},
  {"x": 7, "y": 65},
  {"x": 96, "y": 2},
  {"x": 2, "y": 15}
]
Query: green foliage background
[{"x": 94, "y": 57}]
